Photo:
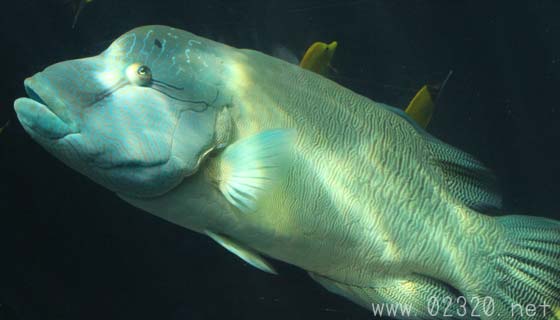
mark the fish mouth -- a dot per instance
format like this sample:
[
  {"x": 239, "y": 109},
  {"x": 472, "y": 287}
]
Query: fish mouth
[
  {"x": 32, "y": 94},
  {"x": 42, "y": 113}
]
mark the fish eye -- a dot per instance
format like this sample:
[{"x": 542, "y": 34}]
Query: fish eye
[
  {"x": 139, "y": 74},
  {"x": 144, "y": 71}
]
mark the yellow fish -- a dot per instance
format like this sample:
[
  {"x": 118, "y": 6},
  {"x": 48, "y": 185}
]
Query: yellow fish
[
  {"x": 318, "y": 57},
  {"x": 422, "y": 106},
  {"x": 270, "y": 160}
]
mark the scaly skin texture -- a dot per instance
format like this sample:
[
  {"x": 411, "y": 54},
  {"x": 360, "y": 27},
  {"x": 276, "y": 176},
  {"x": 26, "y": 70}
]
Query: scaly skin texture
[
  {"x": 361, "y": 203},
  {"x": 362, "y": 200},
  {"x": 371, "y": 205}
]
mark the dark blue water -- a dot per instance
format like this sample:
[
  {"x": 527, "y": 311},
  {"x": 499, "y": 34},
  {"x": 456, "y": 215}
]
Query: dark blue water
[{"x": 69, "y": 249}]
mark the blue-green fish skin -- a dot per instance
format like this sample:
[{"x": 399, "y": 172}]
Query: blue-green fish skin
[{"x": 372, "y": 206}]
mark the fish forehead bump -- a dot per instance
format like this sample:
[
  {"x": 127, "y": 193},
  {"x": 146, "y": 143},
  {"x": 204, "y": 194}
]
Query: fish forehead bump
[
  {"x": 175, "y": 54},
  {"x": 140, "y": 40}
]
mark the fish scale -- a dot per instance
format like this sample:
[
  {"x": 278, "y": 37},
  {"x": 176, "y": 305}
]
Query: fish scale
[
  {"x": 282, "y": 162},
  {"x": 325, "y": 111}
]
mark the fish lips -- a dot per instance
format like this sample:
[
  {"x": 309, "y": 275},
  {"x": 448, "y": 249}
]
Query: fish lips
[{"x": 42, "y": 113}]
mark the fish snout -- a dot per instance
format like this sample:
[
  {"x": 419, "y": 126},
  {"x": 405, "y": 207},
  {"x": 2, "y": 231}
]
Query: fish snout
[
  {"x": 41, "y": 90},
  {"x": 43, "y": 112}
]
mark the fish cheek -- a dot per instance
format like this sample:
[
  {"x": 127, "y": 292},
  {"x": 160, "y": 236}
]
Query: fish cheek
[
  {"x": 141, "y": 182},
  {"x": 194, "y": 138},
  {"x": 132, "y": 127},
  {"x": 128, "y": 166}
]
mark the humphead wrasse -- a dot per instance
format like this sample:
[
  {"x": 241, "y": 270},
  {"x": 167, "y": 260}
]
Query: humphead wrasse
[{"x": 275, "y": 161}]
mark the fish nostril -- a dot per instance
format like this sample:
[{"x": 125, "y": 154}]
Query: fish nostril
[{"x": 33, "y": 95}]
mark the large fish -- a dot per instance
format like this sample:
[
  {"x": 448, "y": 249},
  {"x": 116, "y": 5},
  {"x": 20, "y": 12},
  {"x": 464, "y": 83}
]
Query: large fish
[{"x": 271, "y": 160}]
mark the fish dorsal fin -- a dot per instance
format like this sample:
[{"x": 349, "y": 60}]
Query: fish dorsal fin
[
  {"x": 318, "y": 57},
  {"x": 246, "y": 254},
  {"x": 250, "y": 167},
  {"x": 466, "y": 178}
]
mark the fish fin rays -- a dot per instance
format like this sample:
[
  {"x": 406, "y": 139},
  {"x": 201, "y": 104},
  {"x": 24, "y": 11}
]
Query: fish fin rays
[
  {"x": 250, "y": 167},
  {"x": 466, "y": 178},
  {"x": 401, "y": 298},
  {"x": 246, "y": 254},
  {"x": 525, "y": 272}
]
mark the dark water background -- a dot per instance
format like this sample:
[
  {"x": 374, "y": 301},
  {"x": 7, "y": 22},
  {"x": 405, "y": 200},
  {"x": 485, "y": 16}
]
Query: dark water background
[{"x": 70, "y": 249}]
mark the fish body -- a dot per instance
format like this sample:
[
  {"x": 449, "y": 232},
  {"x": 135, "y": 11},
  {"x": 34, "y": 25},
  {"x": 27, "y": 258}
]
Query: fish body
[
  {"x": 318, "y": 56},
  {"x": 271, "y": 160},
  {"x": 422, "y": 106}
]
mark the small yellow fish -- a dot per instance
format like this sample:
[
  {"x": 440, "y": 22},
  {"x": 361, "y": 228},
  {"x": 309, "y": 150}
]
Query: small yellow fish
[
  {"x": 371, "y": 206},
  {"x": 422, "y": 106},
  {"x": 318, "y": 57}
]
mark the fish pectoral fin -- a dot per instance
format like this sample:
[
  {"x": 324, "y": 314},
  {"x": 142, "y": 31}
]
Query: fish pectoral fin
[
  {"x": 413, "y": 295},
  {"x": 252, "y": 166},
  {"x": 246, "y": 254}
]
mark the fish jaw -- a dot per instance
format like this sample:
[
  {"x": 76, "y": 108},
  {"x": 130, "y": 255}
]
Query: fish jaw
[
  {"x": 42, "y": 113},
  {"x": 37, "y": 119}
]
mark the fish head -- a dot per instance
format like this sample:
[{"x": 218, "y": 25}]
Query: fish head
[{"x": 138, "y": 118}]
